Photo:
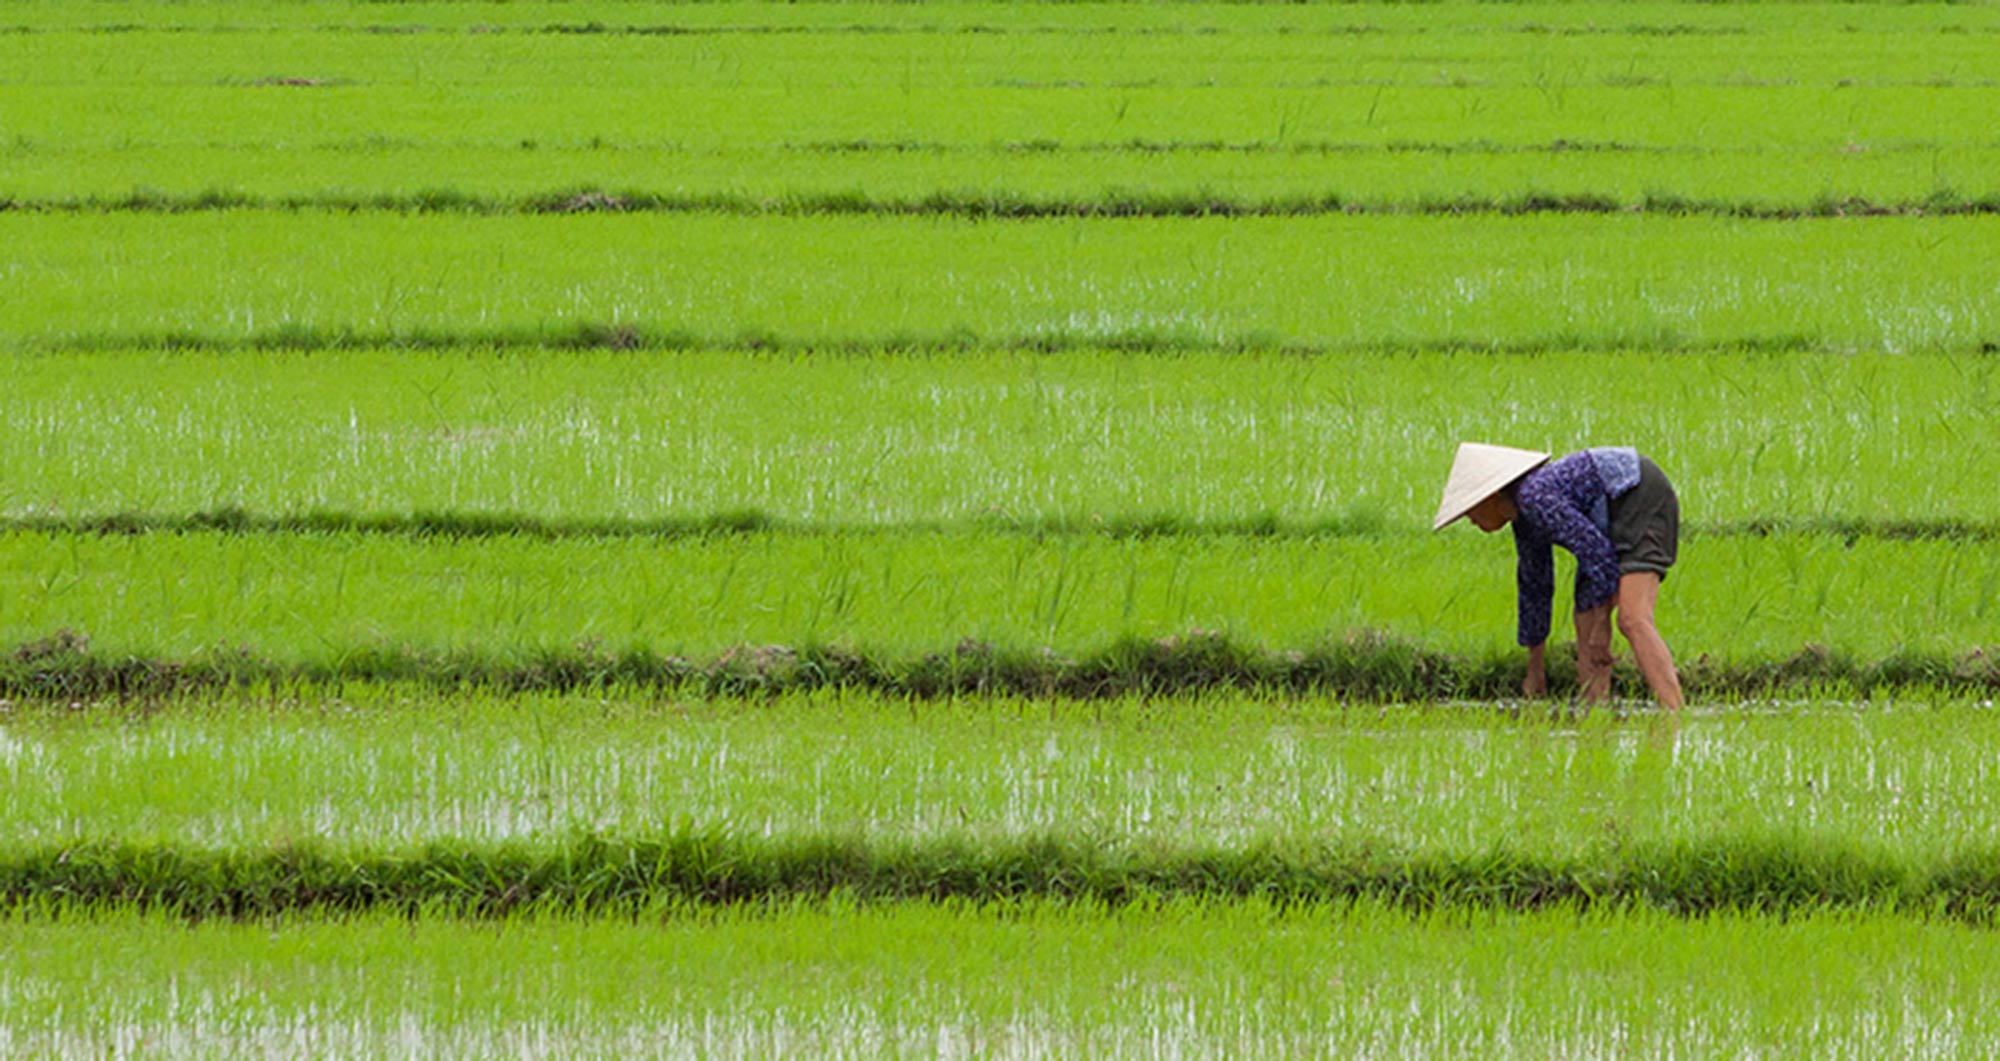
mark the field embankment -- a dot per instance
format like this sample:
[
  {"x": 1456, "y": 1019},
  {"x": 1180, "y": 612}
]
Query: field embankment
[{"x": 612, "y": 877}]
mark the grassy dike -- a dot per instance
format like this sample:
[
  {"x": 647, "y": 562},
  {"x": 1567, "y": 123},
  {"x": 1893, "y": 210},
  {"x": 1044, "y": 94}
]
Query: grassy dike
[
  {"x": 1364, "y": 666},
  {"x": 597, "y": 875},
  {"x": 974, "y": 205}
]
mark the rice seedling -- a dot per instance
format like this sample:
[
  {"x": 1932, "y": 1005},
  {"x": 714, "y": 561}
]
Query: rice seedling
[
  {"x": 885, "y": 794},
  {"x": 886, "y": 609},
  {"x": 614, "y": 442},
  {"x": 1544, "y": 282},
  {"x": 385, "y": 767},
  {"x": 981, "y": 110},
  {"x": 1528, "y": 73},
  {"x": 1022, "y": 980},
  {"x": 827, "y": 528}
]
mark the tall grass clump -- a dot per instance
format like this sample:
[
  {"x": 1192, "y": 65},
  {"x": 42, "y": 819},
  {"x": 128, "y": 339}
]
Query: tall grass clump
[{"x": 598, "y": 874}]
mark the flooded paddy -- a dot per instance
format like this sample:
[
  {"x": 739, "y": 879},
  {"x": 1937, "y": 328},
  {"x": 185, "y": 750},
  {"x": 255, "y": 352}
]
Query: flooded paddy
[
  {"x": 381, "y": 769},
  {"x": 1176, "y": 979}
]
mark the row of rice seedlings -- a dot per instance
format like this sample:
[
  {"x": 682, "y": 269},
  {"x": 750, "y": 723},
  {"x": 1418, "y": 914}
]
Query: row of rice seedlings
[
  {"x": 257, "y": 107},
  {"x": 1536, "y": 18},
  {"x": 1021, "y": 980},
  {"x": 374, "y": 770},
  {"x": 1574, "y": 50},
  {"x": 866, "y": 606},
  {"x": 1549, "y": 281},
  {"x": 1736, "y": 88},
  {"x": 704, "y": 439}
]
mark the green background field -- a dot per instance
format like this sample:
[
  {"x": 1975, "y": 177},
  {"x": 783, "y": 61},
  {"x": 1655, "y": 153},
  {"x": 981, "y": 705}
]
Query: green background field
[
  {"x": 1042, "y": 981},
  {"x": 624, "y": 528}
]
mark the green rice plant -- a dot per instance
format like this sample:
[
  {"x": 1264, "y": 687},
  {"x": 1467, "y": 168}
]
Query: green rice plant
[
  {"x": 362, "y": 605},
  {"x": 736, "y": 73},
  {"x": 1544, "y": 282},
  {"x": 759, "y": 692},
  {"x": 619, "y": 442},
  {"x": 1023, "y": 979},
  {"x": 1888, "y": 800},
  {"x": 999, "y": 109}
]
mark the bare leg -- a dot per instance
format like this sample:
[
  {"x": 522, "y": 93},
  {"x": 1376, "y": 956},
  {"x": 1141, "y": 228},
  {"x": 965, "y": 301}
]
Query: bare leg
[
  {"x": 1593, "y": 654},
  {"x": 1637, "y": 593}
]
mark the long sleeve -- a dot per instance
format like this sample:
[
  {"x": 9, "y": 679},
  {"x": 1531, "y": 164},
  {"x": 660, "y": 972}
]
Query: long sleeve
[
  {"x": 1535, "y": 584},
  {"x": 1555, "y": 514}
]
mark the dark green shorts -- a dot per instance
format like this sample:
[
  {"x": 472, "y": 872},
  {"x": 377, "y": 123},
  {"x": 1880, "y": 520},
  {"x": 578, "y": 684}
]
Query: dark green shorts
[{"x": 1646, "y": 523}]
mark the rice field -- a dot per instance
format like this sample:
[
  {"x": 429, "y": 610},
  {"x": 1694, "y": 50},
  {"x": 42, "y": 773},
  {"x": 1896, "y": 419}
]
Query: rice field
[
  {"x": 855, "y": 528},
  {"x": 1011, "y": 981},
  {"x": 389, "y": 768},
  {"x": 1089, "y": 438},
  {"x": 1896, "y": 285},
  {"x": 1774, "y": 105},
  {"x": 311, "y": 600}
]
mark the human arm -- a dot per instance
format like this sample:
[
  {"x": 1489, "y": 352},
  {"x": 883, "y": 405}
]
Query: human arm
[
  {"x": 1534, "y": 584},
  {"x": 1554, "y": 512}
]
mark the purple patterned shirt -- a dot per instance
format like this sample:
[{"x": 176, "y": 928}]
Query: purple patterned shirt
[{"x": 1564, "y": 502}]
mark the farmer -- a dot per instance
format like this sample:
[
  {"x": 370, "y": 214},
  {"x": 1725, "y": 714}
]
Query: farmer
[{"x": 1615, "y": 511}]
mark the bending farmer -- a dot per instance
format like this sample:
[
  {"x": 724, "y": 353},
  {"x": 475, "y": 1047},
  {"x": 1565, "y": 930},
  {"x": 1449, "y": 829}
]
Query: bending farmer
[{"x": 1618, "y": 514}]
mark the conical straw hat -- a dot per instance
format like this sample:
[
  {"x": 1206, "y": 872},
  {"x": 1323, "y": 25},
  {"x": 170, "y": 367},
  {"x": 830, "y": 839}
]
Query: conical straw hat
[{"x": 1478, "y": 472}]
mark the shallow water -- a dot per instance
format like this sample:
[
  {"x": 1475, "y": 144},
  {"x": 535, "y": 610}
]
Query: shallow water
[
  {"x": 1222, "y": 771},
  {"x": 1177, "y": 980}
]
